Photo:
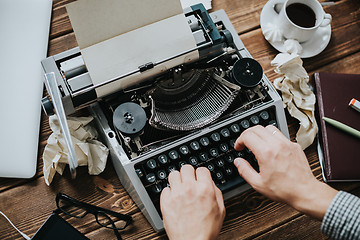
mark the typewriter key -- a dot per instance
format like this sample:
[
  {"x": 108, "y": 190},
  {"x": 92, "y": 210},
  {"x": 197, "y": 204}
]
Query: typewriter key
[
  {"x": 247, "y": 72},
  {"x": 129, "y": 118}
]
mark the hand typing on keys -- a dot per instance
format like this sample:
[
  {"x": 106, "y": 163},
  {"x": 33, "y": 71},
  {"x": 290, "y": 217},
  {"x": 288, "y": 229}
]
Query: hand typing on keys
[
  {"x": 192, "y": 207},
  {"x": 285, "y": 175}
]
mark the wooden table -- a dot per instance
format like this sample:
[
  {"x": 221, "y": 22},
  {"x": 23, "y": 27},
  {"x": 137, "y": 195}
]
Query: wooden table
[{"x": 250, "y": 215}]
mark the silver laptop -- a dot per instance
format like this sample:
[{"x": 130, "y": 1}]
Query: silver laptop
[{"x": 24, "y": 30}]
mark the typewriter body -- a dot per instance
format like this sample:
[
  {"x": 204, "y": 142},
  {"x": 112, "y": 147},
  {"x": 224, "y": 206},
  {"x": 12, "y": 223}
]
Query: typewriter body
[{"x": 189, "y": 114}]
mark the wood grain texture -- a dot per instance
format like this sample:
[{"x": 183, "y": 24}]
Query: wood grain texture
[{"x": 28, "y": 202}]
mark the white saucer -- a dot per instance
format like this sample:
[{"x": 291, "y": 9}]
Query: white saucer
[{"x": 311, "y": 48}]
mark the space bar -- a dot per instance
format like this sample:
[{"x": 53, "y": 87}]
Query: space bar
[{"x": 230, "y": 184}]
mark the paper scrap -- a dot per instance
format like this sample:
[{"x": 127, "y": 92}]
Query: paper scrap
[
  {"x": 272, "y": 33},
  {"x": 297, "y": 95},
  {"x": 89, "y": 151}
]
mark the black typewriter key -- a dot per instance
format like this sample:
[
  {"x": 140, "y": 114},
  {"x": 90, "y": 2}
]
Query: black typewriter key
[
  {"x": 150, "y": 177},
  {"x": 139, "y": 173},
  {"x": 264, "y": 115},
  {"x": 214, "y": 152},
  {"x": 250, "y": 155},
  {"x": 225, "y": 132},
  {"x": 254, "y": 120},
  {"x": 219, "y": 162},
  {"x": 215, "y": 137},
  {"x": 228, "y": 171},
  {"x": 156, "y": 188},
  {"x": 184, "y": 150},
  {"x": 224, "y": 147},
  {"x": 245, "y": 124},
  {"x": 173, "y": 154},
  {"x": 203, "y": 156},
  {"x": 161, "y": 174},
  {"x": 151, "y": 164},
  {"x": 163, "y": 159},
  {"x": 240, "y": 154},
  {"x": 248, "y": 151},
  {"x": 193, "y": 161},
  {"x": 194, "y": 145},
  {"x": 229, "y": 158},
  {"x": 235, "y": 128},
  {"x": 171, "y": 168},
  {"x": 219, "y": 175},
  {"x": 204, "y": 141},
  {"x": 273, "y": 122},
  {"x": 181, "y": 163},
  {"x": 211, "y": 167},
  {"x": 232, "y": 143}
]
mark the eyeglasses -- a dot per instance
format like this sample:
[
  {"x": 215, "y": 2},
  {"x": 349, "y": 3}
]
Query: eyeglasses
[{"x": 104, "y": 217}]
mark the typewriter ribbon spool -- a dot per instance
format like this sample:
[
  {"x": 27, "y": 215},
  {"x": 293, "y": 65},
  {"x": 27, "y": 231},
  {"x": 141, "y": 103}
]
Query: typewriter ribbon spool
[
  {"x": 247, "y": 72},
  {"x": 129, "y": 118}
]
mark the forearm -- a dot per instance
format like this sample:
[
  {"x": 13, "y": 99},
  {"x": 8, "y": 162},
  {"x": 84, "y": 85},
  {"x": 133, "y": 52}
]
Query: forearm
[{"x": 315, "y": 199}]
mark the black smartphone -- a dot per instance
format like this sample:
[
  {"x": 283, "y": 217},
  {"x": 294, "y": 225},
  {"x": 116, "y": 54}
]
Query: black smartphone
[{"x": 56, "y": 228}]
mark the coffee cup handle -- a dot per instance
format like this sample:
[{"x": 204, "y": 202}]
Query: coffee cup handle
[
  {"x": 278, "y": 6},
  {"x": 327, "y": 20}
]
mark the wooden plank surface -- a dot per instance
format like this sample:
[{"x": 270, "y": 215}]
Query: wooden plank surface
[{"x": 250, "y": 215}]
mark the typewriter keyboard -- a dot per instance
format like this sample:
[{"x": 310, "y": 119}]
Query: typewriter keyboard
[{"x": 213, "y": 150}]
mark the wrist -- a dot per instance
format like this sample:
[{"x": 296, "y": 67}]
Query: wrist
[{"x": 315, "y": 199}]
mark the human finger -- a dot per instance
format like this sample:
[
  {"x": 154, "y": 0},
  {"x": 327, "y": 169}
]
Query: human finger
[
  {"x": 203, "y": 175},
  {"x": 165, "y": 194},
  {"x": 174, "y": 179},
  {"x": 247, "y": 172},
  {"x": 250, "y": 138},
  {"x": 164, "y": 197},
  {"x": 275, "y": 132},
  {"x": 219, "y": 199},
  {"x": 187, "y": 173}
]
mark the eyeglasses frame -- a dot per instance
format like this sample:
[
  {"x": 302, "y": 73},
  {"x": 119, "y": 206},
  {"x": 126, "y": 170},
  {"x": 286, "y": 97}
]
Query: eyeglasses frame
[{"x": 95, "y": 210}]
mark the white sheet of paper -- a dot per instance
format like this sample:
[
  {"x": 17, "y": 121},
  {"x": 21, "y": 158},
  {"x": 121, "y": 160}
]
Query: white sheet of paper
[
  {"x": 188, "y": 3},
  {"x": 118, "y": 36},
  {"x": 125, "y": 53},
  {"x": 94, "y": 21}
]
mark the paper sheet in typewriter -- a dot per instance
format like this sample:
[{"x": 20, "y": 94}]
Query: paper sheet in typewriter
[{"x": 118, "y": 36}]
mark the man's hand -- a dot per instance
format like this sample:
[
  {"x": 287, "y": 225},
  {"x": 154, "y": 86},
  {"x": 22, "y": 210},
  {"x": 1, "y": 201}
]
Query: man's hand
[
  {"x": 285, "y": 175},
  {"x": 193, "y": 207}
]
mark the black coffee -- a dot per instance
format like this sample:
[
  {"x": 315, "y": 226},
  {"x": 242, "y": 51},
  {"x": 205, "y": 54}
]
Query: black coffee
[{"x": 301, "y": 14}]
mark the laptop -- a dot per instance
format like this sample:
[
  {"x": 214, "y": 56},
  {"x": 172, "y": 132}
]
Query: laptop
[{"x": 24, "y": 31}]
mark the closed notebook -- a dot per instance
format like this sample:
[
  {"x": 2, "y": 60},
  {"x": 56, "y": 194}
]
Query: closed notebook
[{"x": 341, "y": 150}]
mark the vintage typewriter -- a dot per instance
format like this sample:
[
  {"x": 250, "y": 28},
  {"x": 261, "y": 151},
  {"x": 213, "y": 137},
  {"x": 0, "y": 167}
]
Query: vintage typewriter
[{"x": 189, "y": 114}]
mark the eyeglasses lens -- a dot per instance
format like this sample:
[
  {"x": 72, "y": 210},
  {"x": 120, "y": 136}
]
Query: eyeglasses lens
[
  {"x": 106, "y": 220},
  {"x": 71, "y": 209}
]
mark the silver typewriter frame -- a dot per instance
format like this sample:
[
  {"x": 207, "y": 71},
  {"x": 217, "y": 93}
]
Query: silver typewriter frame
[{"x": 125, "y": 167}]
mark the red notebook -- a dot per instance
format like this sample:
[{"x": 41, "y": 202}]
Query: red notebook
[{"x": 341, "y": 151}]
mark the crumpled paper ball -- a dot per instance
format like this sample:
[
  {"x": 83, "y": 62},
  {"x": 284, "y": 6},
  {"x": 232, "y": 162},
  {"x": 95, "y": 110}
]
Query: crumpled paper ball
[
  {"x": 272, "y": 33},
  {"x": 293, "y": 46},
  {"x": 89, "y": 151},
  {"x": 297, "y": 95}
]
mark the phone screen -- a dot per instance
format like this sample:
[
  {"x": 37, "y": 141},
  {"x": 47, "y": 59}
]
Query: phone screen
[{"x": 56, "y": 228}]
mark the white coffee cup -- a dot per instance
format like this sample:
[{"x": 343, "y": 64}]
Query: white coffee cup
[{"x": 291, "y": 30}]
